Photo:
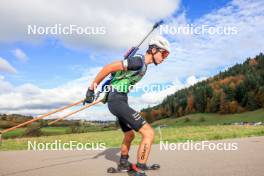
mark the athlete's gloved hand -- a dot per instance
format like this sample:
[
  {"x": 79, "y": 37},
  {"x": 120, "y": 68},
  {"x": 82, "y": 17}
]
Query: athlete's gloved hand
[{"x": 89, "y": 96}]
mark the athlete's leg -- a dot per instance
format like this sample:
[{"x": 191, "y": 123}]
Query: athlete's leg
[
  {"x": 147, "y": 134},
  {"x": 128, "y": 138},
  {"x": 124, "y": 164},
  {"x": 129, "y": 118},
  {"x": 132, "y": 119}
]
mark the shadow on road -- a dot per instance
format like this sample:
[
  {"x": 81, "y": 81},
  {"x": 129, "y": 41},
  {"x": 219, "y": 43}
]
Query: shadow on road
[
  {"x": 43, "y": 167},
  {"x": 110, "y": 154}
]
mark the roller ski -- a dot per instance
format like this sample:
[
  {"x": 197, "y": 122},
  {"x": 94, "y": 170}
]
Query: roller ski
[
  {"x": 139, "y": 170},
  {"x": 133, "y": 169}
]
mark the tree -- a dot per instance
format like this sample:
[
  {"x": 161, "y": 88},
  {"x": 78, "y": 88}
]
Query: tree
[
  {"x": 238, "y": 89},
  {"x": 201, "y": 94},
  {"x": 180, "y": 112},
  {"x": 215, "y": 102},
  {"x": 260, "y": 97},
  {"x": 33, "y": 130},
  {"x": 252, "y": 103},
  {"x": 233, "y": 107},
  {"x": 148, "y": 116},
  {"x": 229, "y": 93},
  {"x": 240, "y": 92},
  {"x": 223, "y": 104},
  {"x": 190, "y": 104}
]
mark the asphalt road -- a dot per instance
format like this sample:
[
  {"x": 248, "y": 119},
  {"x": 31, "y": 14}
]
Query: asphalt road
[{"x": 247, "y": 160}]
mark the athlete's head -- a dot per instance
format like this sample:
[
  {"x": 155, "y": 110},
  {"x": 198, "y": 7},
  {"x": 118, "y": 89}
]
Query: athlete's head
[{"x": 159, "y": 49}]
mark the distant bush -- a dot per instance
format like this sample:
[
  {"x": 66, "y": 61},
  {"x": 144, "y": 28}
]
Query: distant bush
[
  {"x": 33, "y": 130},
  {"x": 186, "y": 120},
  {"x": 85, "y": 129},
  {"x": 217, "y": 137},
  {"x": 6, "y": 124},
  {"x": 201, "y": 119}
]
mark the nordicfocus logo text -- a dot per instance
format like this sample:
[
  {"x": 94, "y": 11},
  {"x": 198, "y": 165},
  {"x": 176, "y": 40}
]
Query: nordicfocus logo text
[
  {"x": 59, "y": 29},
  {"x": 71, "y": 145},
  {"x": 198, "y": 146},
  {"x": 192, "y": 29}
]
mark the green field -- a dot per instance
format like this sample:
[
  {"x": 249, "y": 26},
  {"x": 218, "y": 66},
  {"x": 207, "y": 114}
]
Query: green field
[
  {"x": 48, "y": 131},
  {"x": 197, "y": 127},
  {"x": 51, "y": 131},
  {"x": 212, "y": 119}
]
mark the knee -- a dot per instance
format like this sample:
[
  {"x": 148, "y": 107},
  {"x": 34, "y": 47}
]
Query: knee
[
  {"x": 148, "y": 132},
  {"x": 151, "y": 134},
  {"x": 130, "y": 135}
]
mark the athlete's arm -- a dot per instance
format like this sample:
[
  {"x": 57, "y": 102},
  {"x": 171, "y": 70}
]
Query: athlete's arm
[
  {"x": 110, "y": 68},
  {"x": 133, "y": 63}
]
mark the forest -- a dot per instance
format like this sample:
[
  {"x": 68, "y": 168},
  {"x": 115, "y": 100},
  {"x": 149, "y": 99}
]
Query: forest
[{"x": 238, "y": 89}]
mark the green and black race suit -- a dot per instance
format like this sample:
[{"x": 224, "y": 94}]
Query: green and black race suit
[{"x": 121, "y": 83}]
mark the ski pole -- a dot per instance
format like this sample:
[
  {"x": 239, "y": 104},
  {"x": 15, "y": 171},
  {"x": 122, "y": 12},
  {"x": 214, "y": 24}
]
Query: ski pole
[
  {"x": 40, "y": 117},
  {"x": 133, "y": 50},
  {"x": 153, "y": 28},
  {"x": 98, "y": 99},
  {"x": 74, "y": 112}
]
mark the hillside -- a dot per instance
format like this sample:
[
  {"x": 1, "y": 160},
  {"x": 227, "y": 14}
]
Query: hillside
[
  {"x": 196, "y": 127},
  {"x": 238, "y": 89},
  {"x": 10, "y": 120},
  {"x": 208, "y": 119}
]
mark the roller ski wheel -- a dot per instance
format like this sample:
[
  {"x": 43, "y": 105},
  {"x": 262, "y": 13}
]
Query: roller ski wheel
[
  {"x": 132, "y": 170},
  {"x": 119, "y": 169},
  {"x": 152, "y": 167}
]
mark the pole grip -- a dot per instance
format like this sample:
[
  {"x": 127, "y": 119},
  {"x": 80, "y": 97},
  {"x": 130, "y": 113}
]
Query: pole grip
[{"x": 158, "y": 24}]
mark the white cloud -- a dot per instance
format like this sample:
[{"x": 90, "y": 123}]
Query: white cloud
[
  {"x": 6, "y": 67},
  {"x": 28, "y": 99},
  {"x": 200, "y": 55},
  {"x": 193, "y": 57},
  {"x": 193, "y": 80},
  {"x": 204, "y": 55},
  {"x": 125, "y": 23},
  {"x": 156, "y": 97},
  {"x": 5, "y": 87},
  {"x": 20, "y": 55}
]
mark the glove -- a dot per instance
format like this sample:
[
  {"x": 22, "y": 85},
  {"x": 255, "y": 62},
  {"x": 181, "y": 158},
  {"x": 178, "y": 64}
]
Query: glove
[{"x": 89, "y": 96}]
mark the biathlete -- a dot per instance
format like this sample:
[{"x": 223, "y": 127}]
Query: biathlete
[{"x": 127, "y": 73}]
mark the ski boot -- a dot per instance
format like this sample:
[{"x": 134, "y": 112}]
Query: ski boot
[
  {"x": 150, "y": 167},
  {"x": 124, "y": 165},
  {"x": 136, "y": 171}
]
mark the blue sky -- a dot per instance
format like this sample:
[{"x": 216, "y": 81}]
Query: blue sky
[
  {"x": 196, "y": 9},
  {"x": 52, "y": 60},
  {"x": 61, "y": 67}
]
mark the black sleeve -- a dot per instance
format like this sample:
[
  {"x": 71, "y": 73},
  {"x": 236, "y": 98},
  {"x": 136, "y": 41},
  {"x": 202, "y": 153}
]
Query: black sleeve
[{"x": 134, "y": 63}]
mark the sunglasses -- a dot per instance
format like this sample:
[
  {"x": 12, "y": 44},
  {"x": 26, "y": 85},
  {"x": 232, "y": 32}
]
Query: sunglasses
[{"x": 164, "y": 53}]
